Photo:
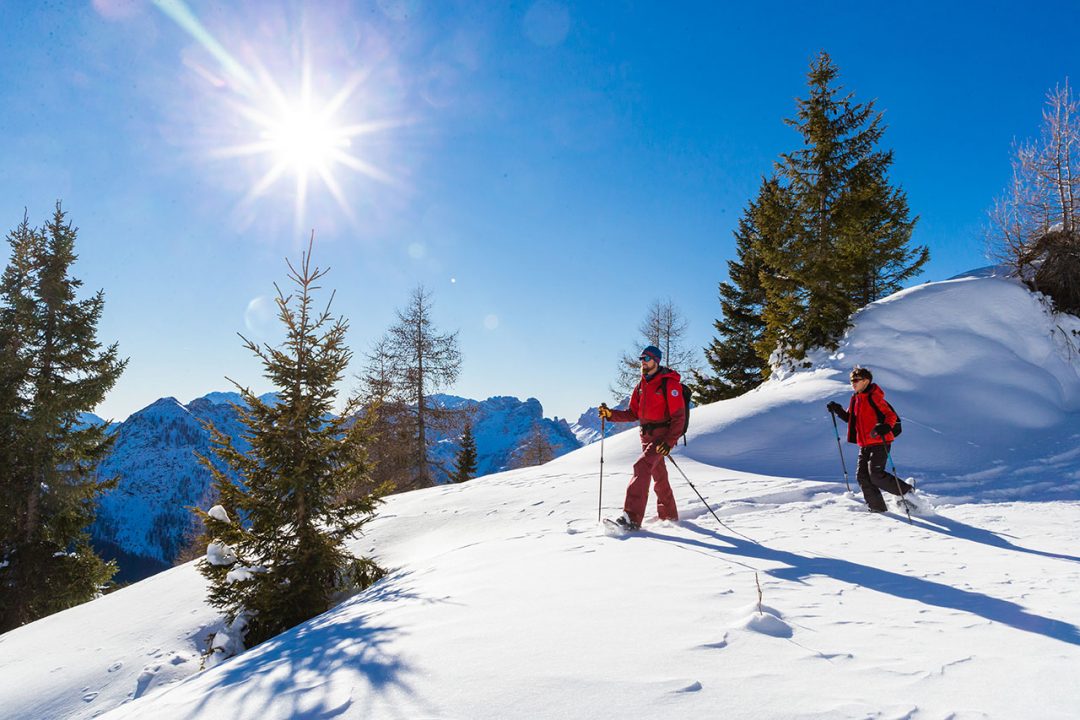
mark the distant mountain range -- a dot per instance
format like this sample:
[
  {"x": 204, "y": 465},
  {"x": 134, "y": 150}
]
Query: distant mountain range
[
  {"x": 588, "y": 426},
  {"x": 502, "y": 427},
  {"x": 145, "y": 521}
]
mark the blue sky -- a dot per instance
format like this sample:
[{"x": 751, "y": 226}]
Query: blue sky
[{"x": 546, "y": 169}]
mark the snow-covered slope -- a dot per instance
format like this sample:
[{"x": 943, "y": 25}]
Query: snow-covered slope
[{"x": 506, "y": 600}]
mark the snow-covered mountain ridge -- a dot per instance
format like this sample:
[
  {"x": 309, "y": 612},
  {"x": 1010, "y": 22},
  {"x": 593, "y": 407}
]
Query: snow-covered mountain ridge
[
  {"x": 145, "y": 520},
  {"x": 160, "y": 476},
  {"x": 506, "y": 600},
  {"x": 588, "y": 427},
  {"x": 501, "y": 428}
]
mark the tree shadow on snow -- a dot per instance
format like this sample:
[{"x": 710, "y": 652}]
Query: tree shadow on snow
[
  {"x": 949, "y": 526},
  {"x": 800, "y": 567},
  {"x": 315, "y": 669}
]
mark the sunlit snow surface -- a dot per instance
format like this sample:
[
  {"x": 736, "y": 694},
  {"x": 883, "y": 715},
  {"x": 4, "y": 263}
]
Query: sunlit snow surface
[{"x": 506, "y": 599}]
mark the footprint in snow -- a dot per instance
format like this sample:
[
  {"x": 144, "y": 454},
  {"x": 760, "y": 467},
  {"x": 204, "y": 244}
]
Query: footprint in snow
[
  {"x": 142, "y": 683},
  {"x": 573, "y": 527}
]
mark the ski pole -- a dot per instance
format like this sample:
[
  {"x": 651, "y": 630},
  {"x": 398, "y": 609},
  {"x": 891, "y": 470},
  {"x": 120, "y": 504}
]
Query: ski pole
[
  {"x": 900, "y": 490},
  {"x": 600, "y": 498},
  {"x": 842, "y": 463},
  {"x": 706, "y": 502}
]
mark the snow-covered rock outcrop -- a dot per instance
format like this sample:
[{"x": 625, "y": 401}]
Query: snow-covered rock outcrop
[{"x": 985, "y": 377}]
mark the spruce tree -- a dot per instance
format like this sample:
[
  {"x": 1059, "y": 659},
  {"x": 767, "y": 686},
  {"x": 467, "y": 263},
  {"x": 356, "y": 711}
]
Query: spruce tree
[
  {"x": 732, "y": 356},
  {"x": 52, "y": 369},
  {"x": 782, "y": 307},
  {"x": 278, "y": 557},
  {"x": 849, "y": 228},
  {"x": 465, "y": 467}
]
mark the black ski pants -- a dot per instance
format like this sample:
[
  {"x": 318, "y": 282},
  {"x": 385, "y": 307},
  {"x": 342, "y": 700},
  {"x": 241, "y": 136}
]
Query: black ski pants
[{"x": 873, "y": 478}]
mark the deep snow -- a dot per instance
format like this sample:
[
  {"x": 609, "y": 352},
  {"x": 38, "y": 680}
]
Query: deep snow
[{"x": 506, "y": 600}]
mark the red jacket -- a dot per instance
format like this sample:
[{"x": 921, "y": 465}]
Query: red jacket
[
  {"x": 656, "y": 402},
  {"x": 862, "y": 418}
]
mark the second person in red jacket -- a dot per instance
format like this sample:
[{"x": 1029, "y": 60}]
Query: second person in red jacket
[
  {"x": 870, "y": 424},
  {"x": 657, "y": 404}
]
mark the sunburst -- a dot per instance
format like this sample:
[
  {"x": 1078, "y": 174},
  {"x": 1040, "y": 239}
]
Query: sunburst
[
  {"x": 305, "y": 138},
  {"x": 293, "y": 135}
]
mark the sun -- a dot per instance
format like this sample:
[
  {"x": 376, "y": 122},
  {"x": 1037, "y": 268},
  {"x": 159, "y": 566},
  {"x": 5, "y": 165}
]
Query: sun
[
  {"x": 296, "y": 123},
  {"x": 305, "y": 140}
]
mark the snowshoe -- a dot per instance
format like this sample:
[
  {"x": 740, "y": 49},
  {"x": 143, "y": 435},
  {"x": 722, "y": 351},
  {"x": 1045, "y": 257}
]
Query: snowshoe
[
  {"x": 914, "y": 503},
  {"x": 623, "y": 523}
]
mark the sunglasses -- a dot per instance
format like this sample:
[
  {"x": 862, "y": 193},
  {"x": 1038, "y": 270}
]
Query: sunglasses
[
  {"x": 646, "y": 358},
  {"x": 858, "y": 379}
]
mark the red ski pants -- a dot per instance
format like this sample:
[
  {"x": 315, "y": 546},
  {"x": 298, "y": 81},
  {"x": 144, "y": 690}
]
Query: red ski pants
[{"x": 650, "y": 466}]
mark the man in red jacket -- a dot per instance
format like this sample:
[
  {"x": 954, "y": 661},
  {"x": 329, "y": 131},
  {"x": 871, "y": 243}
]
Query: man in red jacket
[
  {"x": 870, "y": 425},
  {"x": 657, "y": 404}
]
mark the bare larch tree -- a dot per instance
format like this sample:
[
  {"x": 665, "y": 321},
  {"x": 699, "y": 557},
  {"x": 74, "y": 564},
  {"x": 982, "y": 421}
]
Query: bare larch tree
[
  {"x": 423, "y": 362},
  {"x": 665, "y": 327},
  {"x": 1033, "y": 225}
]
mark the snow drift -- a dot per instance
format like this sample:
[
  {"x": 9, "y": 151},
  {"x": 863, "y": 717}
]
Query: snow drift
[{"x": 985, "y": 377}]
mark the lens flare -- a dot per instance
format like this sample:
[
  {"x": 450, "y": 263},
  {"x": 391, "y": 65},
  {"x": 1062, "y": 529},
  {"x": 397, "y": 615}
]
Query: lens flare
[{"x": 286, "y": 127}]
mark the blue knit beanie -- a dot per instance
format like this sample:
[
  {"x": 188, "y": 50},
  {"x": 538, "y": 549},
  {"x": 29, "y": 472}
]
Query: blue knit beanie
[{"x": 653, "y": 352}]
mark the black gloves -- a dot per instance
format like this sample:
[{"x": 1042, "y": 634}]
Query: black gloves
[
  {"x": 604, "y": 412},
  {"x": 661, "y": 447},
  {"x": 835, "y": 408},
  {"x": 881, "y": 430}
]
